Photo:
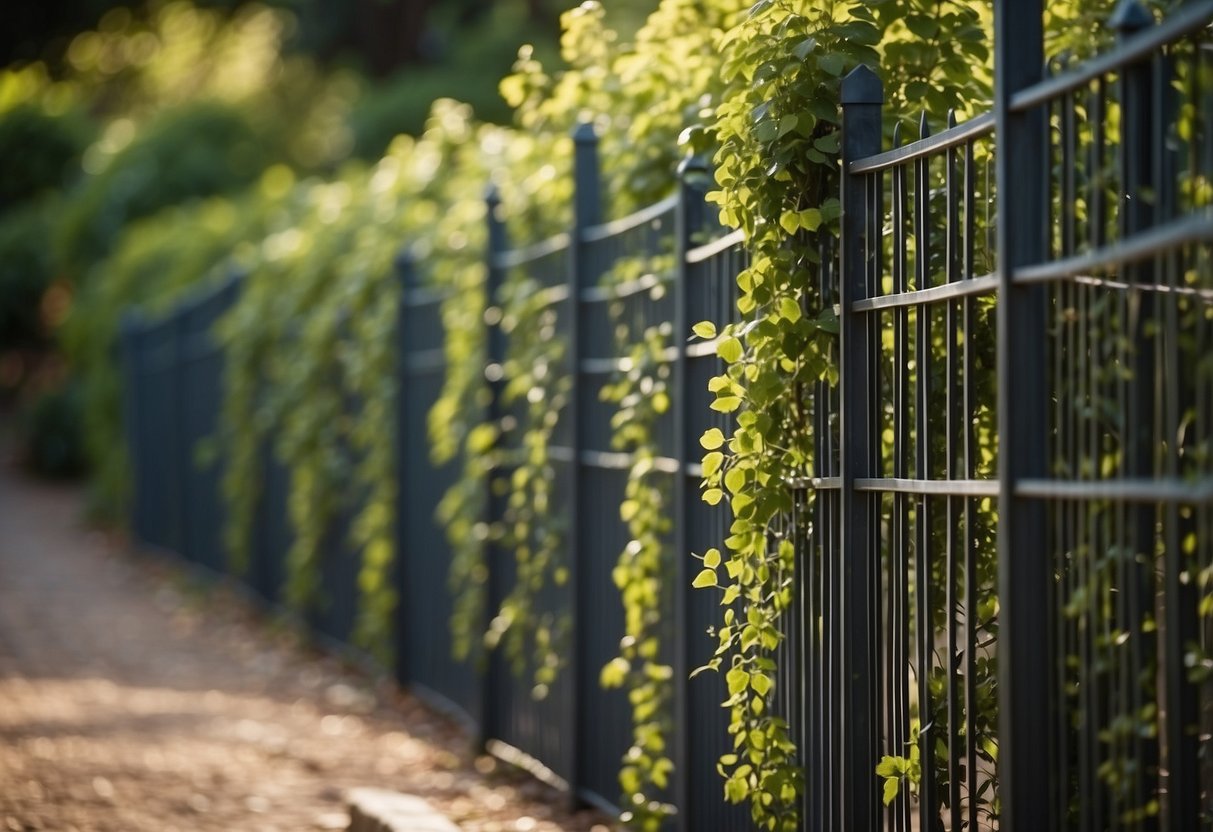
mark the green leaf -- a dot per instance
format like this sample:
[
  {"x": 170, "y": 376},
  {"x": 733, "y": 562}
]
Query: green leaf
[
  {"x": 890, "y": 766},
  {"x": 766, "y": 131},
  {"x": 713, "y": 496},
  {"x": 712, "y": 439},
  {"x": 891, "y": 787},
  {"x": 789, "y": 222},
  {"x": 761, "y": 683},
  {"x": 712, "y": 463},
  {"x": 737, "y": 680},
  {"x": 614, "y": 672},
  {"x": 726, "y": 404},
  {"x": 790, "y": 309},
  {"x": 711, "y": 558},
  {"x": 831, "y": 64},
  {"x": 705, "y": 330},
  {"x": 706, "y": 578},
  {"x": 804, "y": 48},
  {"x": 730, "y": 350}
]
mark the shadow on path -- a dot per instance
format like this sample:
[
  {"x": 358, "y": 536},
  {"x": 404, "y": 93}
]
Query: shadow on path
[{"x": 129, "y": 703}]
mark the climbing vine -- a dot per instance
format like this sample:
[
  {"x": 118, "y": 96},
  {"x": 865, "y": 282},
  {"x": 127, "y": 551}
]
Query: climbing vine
[
  {"x": 640, "y": 389},
  {"x": 778, "y": 139}
]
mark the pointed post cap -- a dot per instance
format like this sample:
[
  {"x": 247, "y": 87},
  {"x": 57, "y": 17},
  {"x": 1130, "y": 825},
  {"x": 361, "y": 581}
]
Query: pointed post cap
[
  {"x": 492, "y": 194},
  {"x": 584, "y": 133},
  {"x": 862, "y": 86},
  {"x": 1130, "y": 16},
  {"x": 405, "y": 263},
  {"x": 692, "y": 165}
]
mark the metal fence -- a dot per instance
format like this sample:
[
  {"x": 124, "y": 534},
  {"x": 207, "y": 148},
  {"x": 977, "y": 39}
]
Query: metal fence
[{"x": 1005, "y": 554}]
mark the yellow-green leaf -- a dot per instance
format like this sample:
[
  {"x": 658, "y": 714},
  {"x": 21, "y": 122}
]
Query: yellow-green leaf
[{"x": 729, "y": 349}]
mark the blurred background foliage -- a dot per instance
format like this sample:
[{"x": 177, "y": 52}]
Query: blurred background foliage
[{"x": 139, "y": 145}]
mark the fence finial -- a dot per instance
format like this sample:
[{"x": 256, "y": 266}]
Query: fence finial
[
  {"x": 1130, "y": 16},
  {"x": 862, "y": 86},
  {"x": 584, "y": 133},
  {"x": 691, "y": 166},
  {"x": 405, "y": 263},
  {"x": 587, "y": 187}
]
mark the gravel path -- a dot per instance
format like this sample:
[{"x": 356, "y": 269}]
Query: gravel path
[{"x": 130, "y": 700}]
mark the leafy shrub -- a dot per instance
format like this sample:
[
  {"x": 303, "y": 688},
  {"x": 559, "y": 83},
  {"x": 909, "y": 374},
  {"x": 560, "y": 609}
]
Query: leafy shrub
[
  {"x": 190, "y": 151},
  {"x": 49, "y": 433},
  {"x": 39, "y": 151},
  {"x": 153, "y": 263},
  {"x": 25, "y": 274}
]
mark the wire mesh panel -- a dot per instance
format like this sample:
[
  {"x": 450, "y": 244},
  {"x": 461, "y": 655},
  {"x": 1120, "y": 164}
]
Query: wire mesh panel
[
  {"x": 1130, "y": 298},
  {"x": 425, "y": 607},
  {"x": 271, "y": 536},
  {"x": 201, "y": 370},
  {"x": 711, "y": 295},
  {"x": 161, "y": 425},
  {"x": 810, "y": 655},
  {"x": 625, "y": 325},
  {"x": 530, "y": 706},
  {"x": 919, "y": 312}
]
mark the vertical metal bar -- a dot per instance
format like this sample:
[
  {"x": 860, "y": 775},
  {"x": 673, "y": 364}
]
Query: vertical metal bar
[
  {"x": 899, "y": 580},
  {"x": 1181, "y": 705},
  {"x": 1137, "y": 150},
  {"x": 132, "y": 361},
  {"x": 406, "y": 274},
  {"x": 968, "y": 468},
  {"x": 1024, "y": 571},
  {"x": 587, "y": 211},
  {"x": 1090, "y": 808},
  {"x": 491, "y": 686},
  {"x": 692, "y": 175},
  {"x": 862, "y": 99},
  {"x": 951, "y": 424},
  {"x": 923, "y": 631},
  {"x": 180, "y": 467},
  {"x": 876, "y": 423}
]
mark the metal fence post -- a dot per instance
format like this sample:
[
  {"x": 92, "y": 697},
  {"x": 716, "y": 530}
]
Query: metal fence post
[
  {"x": 587, "y": 211},
  {"x": 692, "y": 172},
  {"x": 129, "y": 331},
  {"x": 1025, "y": 751},
  {"x": 177, "y": 451},
  {"x": 497, "y": 243},
  {"x": 1137, "y": 213},
  {"x": 406, "y": 275},
  {"x": 862, "y": 100}
]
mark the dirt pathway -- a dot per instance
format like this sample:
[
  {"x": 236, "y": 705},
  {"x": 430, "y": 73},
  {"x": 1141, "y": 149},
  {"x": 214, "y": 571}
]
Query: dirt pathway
[{"x": 130, "y": 702}]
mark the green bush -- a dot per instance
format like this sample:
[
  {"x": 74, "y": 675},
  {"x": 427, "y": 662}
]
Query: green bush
[
  {"x": 25, "y": 274},
  {"x": 153, "y": 262},
  {"x": 194, "y": 150},
  {"x": 39, "y": 151},
  {"x": 49, "y": 439}
]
